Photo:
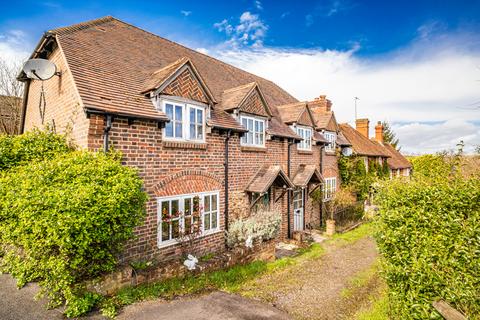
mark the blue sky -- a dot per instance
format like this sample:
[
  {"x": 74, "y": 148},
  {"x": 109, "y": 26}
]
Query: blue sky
[{"x": 413, "y": 63}]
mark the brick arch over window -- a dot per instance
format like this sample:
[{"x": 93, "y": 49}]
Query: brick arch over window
[{"x": 186, "y": 182}]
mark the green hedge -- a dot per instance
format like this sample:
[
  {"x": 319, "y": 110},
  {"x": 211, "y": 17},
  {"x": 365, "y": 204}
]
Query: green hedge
[
  {"x": 64, "y": 220},
  {"x": 429, "y": 236},
  {"x": 31, "y": 146}
]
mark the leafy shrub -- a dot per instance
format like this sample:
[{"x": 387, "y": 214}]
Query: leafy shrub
[
  {"x": 31, "y": 146},
  {"x": 64, "y": 220},
  {"x": 354, "y": 175},
  {"x": 261, "y": 226},
  {"x": 432, "y": 166},
  {"x": 429, "y": 236}
]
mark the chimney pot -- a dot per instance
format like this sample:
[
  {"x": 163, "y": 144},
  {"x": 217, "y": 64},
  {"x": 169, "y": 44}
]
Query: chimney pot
[{"x": 362, "y": 126}]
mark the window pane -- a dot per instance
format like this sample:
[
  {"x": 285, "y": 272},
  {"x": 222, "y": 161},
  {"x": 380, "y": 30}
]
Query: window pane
[
  {"x": 175, "y": 229},
  {"x": 169, "y": 129},
  {"x": 175, "y": 210},
  {"x": 257, "y": 126},
  {"x": 261, "y": 138},
  {"x": 250, "y": 125},
  {"x": 178, "y": 130},
  {"x": 178, "y": 113},
  {"x": 214, "y": 202},
  {"x": 250, "y": 137},
  {"x": 257, "y": 138},
  {"x": 165, "y": 210},
  {"x": 169, "y": 111},
  {"x": 206, "y": 203},
  {"x": 214, "y": 220},
  {"x": 192, "y": 115},
  {"x": 199, "y": 132},
  {"x": 193, "y": 133},
  {"x": 187, "y": 206},
  {"x": 188, "y": 225},
  {"x": 244, "y": 123},
  {"x": 261, "y": 126},
  {"x": 207, "y": 221},
  {"x": 200, "y": 116},
  {"x": 165, "y": 231}
]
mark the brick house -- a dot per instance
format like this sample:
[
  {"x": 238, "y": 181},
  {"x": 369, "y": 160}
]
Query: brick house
[
  {"x": 204, "y": 135},
  {"x": 375, "y": 149}
]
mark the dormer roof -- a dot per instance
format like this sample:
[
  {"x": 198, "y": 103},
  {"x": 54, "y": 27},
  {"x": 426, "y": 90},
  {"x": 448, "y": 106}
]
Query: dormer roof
[
  {"x": 183, "y": 67},
  {"x": 247, "y": 98}
]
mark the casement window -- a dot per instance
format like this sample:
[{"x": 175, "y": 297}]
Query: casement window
[
  {"x": 187, "y": 121},
  {"x": 180, "y": 216},
  {"x": 331, "y": 138},
  {"x": 329, "y": 188},
  {"x": 256, "y": 131},
  {"x": 306, "y": 134}
]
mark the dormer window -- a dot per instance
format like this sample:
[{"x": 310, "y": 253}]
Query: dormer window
[
  {"x": 331, "y": 138},
  {"x": 306, "y": 134},
  {"x": 255, "y": 136},
  {"x": 187, "y": 121}
]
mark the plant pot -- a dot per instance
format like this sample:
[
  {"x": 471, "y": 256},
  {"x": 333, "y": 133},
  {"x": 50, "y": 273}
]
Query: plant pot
[{"x": 330, "y": 227}]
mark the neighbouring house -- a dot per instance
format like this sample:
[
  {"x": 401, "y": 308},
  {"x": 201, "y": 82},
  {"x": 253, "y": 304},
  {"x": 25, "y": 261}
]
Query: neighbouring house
[
  {"x": 399, "y": 165},
  {"x": 10, "y": 112},
  {"x": 204, "y": 135},
  {"x": 375, "y": 150}
]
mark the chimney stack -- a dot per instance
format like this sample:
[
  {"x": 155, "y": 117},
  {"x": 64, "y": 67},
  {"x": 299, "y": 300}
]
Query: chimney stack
[
  {"x": 379, "y": 132},
  {"x": 321, "y": 104},
  {"x": 362, "y": 126}
]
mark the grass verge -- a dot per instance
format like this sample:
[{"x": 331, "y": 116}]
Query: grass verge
[
  {"x": 358, "y": 233},
  {"x": 378, "y": 309},
  {"x": 229, "y": 280},
  {"x": 360, "y": 280}
]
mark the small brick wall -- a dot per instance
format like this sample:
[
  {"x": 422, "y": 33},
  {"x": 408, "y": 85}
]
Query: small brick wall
[{"x": 126, "y": 276}]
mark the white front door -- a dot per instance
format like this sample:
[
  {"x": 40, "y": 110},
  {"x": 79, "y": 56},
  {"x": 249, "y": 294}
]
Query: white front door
[{"x": 298, "y": 210}]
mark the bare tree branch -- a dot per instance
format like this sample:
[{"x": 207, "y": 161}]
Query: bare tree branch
[{"x": 11, "y": 93}]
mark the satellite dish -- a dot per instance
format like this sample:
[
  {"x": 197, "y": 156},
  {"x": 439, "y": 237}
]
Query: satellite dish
[{"x": 39, "y": 69}]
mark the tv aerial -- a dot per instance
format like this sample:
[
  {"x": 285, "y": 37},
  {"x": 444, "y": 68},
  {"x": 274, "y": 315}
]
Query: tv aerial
[{"x": 40, "y": 69}]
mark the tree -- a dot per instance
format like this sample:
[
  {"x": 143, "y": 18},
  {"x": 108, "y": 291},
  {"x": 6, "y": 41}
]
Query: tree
[
  {"x": 11, "y": 91},
  {"x": 389, "y": 136}
]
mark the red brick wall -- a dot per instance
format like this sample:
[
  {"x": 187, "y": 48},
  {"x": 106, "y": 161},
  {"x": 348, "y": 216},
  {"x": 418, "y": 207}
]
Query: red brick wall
[{"x": 63, "y": 105}]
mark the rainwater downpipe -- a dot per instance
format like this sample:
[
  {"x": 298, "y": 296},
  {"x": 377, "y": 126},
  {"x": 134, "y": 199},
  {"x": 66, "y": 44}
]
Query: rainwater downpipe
[
  {"x": 227, "y": 139},
  {"x": 108, "y": 126},
  {"x": 289, "y": 232}
]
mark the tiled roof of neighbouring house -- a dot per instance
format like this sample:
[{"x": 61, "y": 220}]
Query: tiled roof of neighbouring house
[
  {"x": 111, "y": 61},
  {"x": 305, "y": 174},
  {"x": 362, "y": 145},
  {"x": 342, "y": 141},
  {"x": 396, "y": 160},
  {"x": 300, "y": 113},
  {"x": 267, "y": 176}
]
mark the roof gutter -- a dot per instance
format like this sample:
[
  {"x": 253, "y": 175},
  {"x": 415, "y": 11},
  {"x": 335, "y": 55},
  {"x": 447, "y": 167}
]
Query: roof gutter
[{"x": 90, "y": 111}]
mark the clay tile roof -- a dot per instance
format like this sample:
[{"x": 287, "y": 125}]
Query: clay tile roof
[
  {"x": 305, "y": 174},
  {"x": 396, "y": 160},
  {"x": 362, "y": 145},
  {"x": 342, "y": 141},
  {"x": 317, "y": 136},
  {"x": 291, "y": 112},
  {"x": 266, "y": 177},
  {"x": 162, "y": 74},
  {"x": 231, "y": 98},
  {"x": 323, "y": 120},
  {"x": 222, "y": 120},
  {"x": 111, "y": 61},
  {"x": 277, "y": 128}
]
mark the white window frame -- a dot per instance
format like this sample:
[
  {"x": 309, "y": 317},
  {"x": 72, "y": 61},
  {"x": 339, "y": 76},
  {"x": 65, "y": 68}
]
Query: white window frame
[
  {"x": 250, "y": 138},
  {"x": 213, "y": 209},
  {"x": 306, "y": 143},
  {"x": 332, "y": 139},
  {"x": 329, "y": 188},
  {"x": 185, "y": 121}
]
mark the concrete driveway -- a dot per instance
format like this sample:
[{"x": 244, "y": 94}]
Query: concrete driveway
[{"x": 19, "y": 304}]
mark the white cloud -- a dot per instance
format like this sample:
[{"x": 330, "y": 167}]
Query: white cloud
[
  {"x": 428, "y": 138},
  {"x": 433, "y": 79},
  {"x": 186, "y": 13},
  {"x": 258, "y": 5},
  {"x": 250, "y": 31},
  {"x": 14, "y": 46}
]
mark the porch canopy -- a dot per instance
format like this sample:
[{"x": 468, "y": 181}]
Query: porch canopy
[
  {"x": 266, "y": 177},
  {"x": 307, "y": 174}
]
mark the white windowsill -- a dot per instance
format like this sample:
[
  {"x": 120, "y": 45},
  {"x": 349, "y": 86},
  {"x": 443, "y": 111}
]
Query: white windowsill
[{"x": 172, "y": 242}]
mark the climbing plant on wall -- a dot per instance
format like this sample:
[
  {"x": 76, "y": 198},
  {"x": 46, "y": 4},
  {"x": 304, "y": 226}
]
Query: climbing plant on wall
[{"x": 354, "y": 174}]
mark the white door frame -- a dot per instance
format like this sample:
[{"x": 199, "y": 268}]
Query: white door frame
[{"x": 298, "y": 209}]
